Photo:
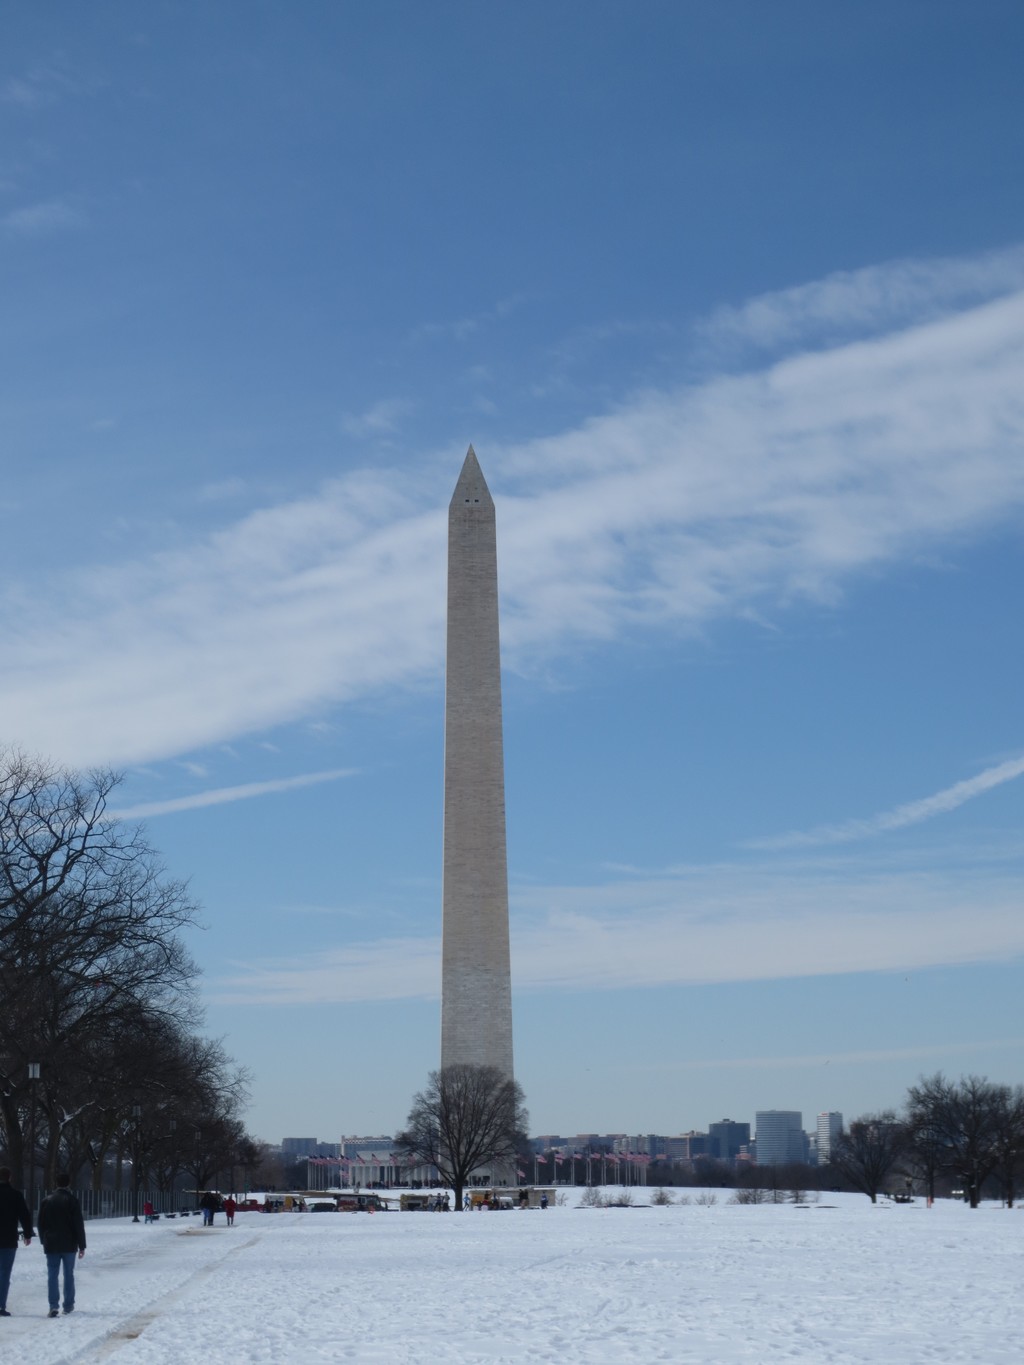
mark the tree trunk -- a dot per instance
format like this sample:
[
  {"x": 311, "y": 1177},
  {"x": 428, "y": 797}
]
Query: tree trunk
[{"x": 16, "y": 1155}]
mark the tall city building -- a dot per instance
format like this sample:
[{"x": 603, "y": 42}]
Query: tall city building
[
  {"x": 830, "y": 1125},
  {"x": 292, "y": 1146},
  {"x": 780, "y": 1137},
  {"x": 476, "y": 984},
  {"x": 727, "y": 1137}
]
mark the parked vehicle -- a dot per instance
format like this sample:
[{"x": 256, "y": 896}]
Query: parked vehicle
[{"x": 363, "y": 1201}]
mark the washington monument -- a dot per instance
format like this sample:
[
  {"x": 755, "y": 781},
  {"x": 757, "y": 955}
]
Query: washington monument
[{"x": 476, "y": 987}]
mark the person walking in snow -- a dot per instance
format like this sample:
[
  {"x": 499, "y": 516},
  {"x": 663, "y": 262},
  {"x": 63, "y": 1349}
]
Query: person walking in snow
[
  {"x": 62, "y": 1232},
  {"x": 229, "y": 1209},
  {"x": 14, "y": 1212}
]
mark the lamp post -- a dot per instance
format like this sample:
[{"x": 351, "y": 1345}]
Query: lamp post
[
  {"x": 172, "y": 1125},
  {"x": 136, "y": 1118},
  {"x": 199, "y": 1139},
  {"x": 33, "y": 1076}
]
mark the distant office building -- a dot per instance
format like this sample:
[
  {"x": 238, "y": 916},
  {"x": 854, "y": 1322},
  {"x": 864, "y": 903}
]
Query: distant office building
[
  {"x": 780, "y": 1137},
  {"x": 692, "y": 1145},
  {"x": 728, "y": 1138},
  {"x": 595, "y": 1142},
  {"x": 364, "y": 1147},
  {"x": 299, "y": 1147},
  {"x": 640, "y": 1144},
  {"x": 830, "y": 1125}
]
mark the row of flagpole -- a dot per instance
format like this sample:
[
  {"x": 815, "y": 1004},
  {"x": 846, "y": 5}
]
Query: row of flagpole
[{"x": 625, "y": 1168}]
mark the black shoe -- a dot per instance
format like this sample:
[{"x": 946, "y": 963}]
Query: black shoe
[
  {"x": 69, "y": 1310},
  {"x": 4, "y": 1313},
  {"x": 52, "y": 1313}
]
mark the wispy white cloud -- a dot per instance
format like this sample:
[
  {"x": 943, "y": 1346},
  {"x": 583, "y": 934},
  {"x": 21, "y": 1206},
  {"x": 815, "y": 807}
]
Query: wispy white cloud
[
  {"x": 865, "y": 300},
  {"x": 222, "y": 490},
  {"x": 222, "y": 795},
  {"x": 736, "y": 497},
  {"x": 380, "y": 419},
  {"x": 398, "y": 969},
  {"x": 814, "y": 1060},
  {"x": 911, "y": 813},
  {"x": 461, "y": 329},
  {"x": 707, "y": 925},
  {"x": 44, "y": 83},
  {"x": 43, "y": 219}
]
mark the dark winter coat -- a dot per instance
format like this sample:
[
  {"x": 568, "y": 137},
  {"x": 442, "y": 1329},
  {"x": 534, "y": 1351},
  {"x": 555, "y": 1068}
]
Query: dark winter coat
[
  {"x": 61, "y": 1226},
  {"x": 13, "y": 1211}
]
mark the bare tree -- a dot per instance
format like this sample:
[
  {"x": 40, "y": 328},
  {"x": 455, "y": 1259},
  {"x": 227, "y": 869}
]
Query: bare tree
[
  {"x": 468, "y": 1117},
  {"x": 750, "y": 1194},
  {"x": 869, "y": 1151},
  {"x": 964, "y": 1119},
  {"x": 97, "y": 987},
  {"x": 89, "y": 928},
  {"x": 1009, "y": 1141},
  {"x": 925, "y": 1149}
]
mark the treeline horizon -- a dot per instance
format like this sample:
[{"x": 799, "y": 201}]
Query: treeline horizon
[{"x": 103, "y": 1063}]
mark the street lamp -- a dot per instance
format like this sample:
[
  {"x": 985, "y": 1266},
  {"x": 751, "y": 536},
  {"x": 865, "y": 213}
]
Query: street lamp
[
  {"x": 172, "y": 1125},
  {"x": 137, "y": 1118},
  {"x": 33, "y": 1076}
]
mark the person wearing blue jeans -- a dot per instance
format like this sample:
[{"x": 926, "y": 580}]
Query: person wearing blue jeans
[
  {"x": 13, "y": 1213},
  {"x": 55, "y": 1263},
  {"x": 62, "y": 1230}
]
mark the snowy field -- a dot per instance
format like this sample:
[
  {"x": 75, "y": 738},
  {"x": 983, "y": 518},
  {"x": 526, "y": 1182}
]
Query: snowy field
[{"x": 834, "y": 1281}]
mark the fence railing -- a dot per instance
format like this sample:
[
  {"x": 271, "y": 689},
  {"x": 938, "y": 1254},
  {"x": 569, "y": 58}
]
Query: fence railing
[{"x": 121, "y": 1203}]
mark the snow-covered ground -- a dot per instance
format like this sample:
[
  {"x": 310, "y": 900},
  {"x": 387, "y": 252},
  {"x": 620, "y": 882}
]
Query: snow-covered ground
[{"x": 834, "y": 1281}]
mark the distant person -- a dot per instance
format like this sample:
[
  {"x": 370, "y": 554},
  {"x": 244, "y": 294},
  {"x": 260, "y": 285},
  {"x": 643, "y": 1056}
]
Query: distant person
[
  {"x": 148, "y": 1212},
  {"x": 229, "y": 1209},
  {"x": 208, "y": 1204},
  {"x": 467, "y": 1201},
  {"x": 543, "y": 1201},
  {"x": 62, "y": 1232},
  {"x": 14, "y": 1212}
]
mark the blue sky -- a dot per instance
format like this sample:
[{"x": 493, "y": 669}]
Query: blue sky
[{"x": 730, "y": 301}]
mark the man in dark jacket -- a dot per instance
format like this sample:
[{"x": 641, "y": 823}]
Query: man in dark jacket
[
  {"x": 62, "y": 1230},
  {"x": 13, "y": 1211}
]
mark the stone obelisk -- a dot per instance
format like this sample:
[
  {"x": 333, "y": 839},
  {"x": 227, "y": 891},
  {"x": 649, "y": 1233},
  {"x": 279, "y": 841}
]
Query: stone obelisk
[{"x": 476, "y": 987}]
